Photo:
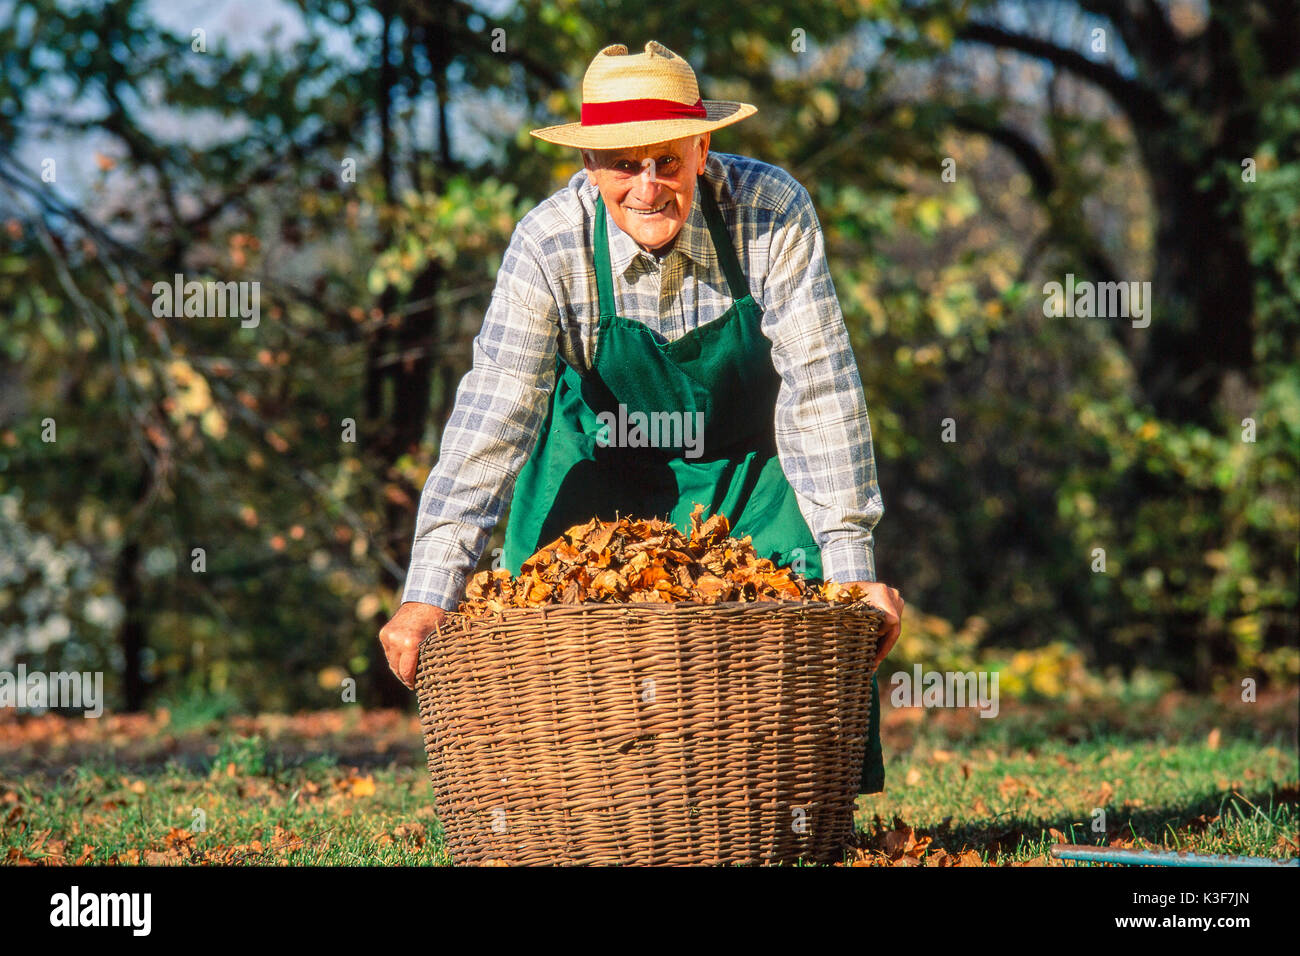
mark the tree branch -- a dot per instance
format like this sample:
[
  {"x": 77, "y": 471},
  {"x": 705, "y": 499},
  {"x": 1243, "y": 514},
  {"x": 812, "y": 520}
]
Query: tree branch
[
  {"x": 1044, "y": 180},
  {"x": 1137, "y": 101}
]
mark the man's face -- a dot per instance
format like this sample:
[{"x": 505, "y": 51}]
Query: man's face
[{"x": 648, "y": 190}]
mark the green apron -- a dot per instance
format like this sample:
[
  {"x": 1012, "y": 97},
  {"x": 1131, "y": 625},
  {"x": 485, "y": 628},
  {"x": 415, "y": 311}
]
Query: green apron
[{"x": 720, "y": 373}]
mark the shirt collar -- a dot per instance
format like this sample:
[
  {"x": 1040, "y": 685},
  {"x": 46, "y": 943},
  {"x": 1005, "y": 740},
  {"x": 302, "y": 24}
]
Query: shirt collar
[{"x": 693, "y": 241}]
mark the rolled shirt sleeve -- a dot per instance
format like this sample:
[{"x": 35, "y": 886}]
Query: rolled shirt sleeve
[
  {"x": 823, "y": 435},
  {"x": 494, "y": 424}
]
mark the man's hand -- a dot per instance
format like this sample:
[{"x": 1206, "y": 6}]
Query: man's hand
[
  {"x": 401, "y": 637},
  {"x": 891, "y": 602}
]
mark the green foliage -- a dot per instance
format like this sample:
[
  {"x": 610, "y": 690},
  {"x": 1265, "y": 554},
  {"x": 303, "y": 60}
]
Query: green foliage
[
  {"x": 198, "y": 709},
  {"x": 247, "y": 755},
  {"x": 457, "y": 228}
]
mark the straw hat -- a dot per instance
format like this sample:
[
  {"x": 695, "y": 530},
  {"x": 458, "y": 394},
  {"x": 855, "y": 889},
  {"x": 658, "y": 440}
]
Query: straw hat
[{"x": 641, "y": 99}]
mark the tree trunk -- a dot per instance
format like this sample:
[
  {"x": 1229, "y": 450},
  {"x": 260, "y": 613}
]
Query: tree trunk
[{"x": 132, "y": 633}]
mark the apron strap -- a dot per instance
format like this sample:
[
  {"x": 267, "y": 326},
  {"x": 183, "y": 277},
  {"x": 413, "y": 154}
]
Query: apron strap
[
  {"x": 722, "y": 241},
  {"x": 604, "y": 278},
  {"x": 717, "y": 230}
]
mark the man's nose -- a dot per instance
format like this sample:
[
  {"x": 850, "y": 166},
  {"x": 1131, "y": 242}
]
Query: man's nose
[{"x": 646, "y": 183}]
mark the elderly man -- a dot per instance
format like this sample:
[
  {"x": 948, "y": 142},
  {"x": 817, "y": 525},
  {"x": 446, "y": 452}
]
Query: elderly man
[{"x": 671, "y": 281}]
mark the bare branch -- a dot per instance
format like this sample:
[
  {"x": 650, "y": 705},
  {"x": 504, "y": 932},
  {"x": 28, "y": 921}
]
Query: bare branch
[{"x": 1138, "y": 102}]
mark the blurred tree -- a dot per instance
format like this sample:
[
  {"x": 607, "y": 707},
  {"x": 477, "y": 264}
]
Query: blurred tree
[
  {"x": 1194, "y": 103},
  {"x": 369, "y": 172}
]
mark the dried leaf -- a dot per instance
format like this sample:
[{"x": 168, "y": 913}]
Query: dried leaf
[{"x": 645, "y": 560}]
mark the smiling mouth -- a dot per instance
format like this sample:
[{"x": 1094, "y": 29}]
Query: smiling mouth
[{"x": 648, "y": 212}]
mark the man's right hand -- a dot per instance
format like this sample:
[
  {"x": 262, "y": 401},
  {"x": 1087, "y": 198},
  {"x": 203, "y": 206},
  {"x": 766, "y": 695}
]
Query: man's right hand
[{"x": 401, "y": 637}]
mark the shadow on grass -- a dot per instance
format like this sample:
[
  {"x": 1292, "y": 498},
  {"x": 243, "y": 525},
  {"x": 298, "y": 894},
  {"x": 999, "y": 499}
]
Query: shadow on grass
[{"x": 1270, "y": 810}]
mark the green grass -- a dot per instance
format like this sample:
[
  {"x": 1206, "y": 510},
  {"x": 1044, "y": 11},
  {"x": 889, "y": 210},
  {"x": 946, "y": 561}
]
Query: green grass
[
  {"x": 311, "y": 814},
  {"x": 1002, "y": 803},
  {"x": 270, "y": 792}
]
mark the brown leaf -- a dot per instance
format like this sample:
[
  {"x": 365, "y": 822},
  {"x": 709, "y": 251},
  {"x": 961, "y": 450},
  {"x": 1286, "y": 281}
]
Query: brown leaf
[
  {"x": 896, "y": 843},
  {"x": 918, "y": 849},
  {"x": 644, "y": 561},
  {"x": 178, "y": 837},
  {"x": 39, "y": 840}
]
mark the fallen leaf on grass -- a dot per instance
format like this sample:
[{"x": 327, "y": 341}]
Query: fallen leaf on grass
[
  {"x": 176, "y": 837},
  {"x": 362, "y": 786},
  {"x": 39, "y": 840},
  {"x": 411, "y": 832},
  {"x": 1011, "y": 787}
]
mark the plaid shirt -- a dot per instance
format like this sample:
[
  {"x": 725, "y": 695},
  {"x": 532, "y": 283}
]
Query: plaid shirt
[{"x": 545, "y": 300}]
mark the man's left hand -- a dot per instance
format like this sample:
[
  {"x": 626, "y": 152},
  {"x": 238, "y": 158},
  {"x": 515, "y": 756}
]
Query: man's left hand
[{"x": 891, "y": 602}]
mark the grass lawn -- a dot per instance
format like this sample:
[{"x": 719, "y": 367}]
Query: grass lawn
[{"x": 350, "y": 787}]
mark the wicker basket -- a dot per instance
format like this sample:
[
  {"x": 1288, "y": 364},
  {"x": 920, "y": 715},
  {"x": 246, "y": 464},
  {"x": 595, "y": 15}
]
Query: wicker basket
[{"x": 649, "y": 733}]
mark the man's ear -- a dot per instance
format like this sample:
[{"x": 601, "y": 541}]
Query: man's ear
[{"x": 704, "y": 151}]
